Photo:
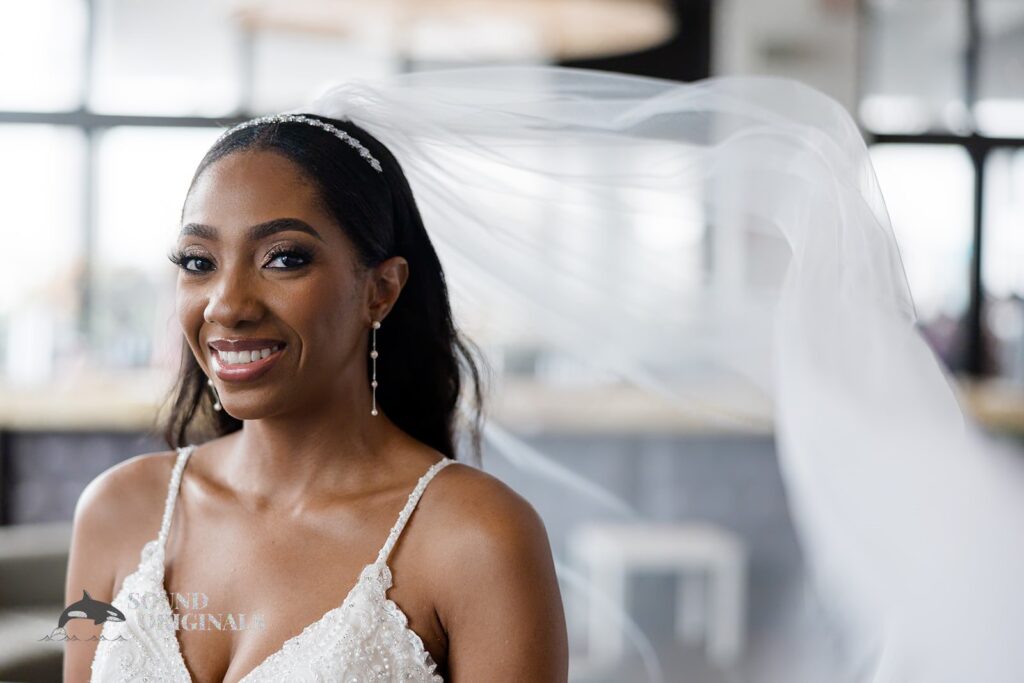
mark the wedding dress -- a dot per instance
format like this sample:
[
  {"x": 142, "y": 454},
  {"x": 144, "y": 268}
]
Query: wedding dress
[{"x": 365, "y": 638}]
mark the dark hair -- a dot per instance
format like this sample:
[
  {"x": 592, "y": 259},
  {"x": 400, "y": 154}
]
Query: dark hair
[{"x": 421, "y": 382}]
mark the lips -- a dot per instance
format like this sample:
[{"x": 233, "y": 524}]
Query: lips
[{"x": 245, "y": 372}]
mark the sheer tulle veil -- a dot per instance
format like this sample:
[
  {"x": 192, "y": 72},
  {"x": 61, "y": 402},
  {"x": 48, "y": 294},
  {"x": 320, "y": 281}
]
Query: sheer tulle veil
[{"x": 724, "y": 245}]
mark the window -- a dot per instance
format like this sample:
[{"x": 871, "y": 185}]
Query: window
[
  {"x": 1003, "y": 259},
  {"x": 165, "y": 58},
  {"x": 50, "y": 79},
  {"x": 942, "y": 98},
  {"x": 98, "y": 91},
  {"x": 43, "y": 207},
  {"x": 138, "y": 205},
  {"x": 904, "y": 40},
  {"x": 929, "y": 195}
]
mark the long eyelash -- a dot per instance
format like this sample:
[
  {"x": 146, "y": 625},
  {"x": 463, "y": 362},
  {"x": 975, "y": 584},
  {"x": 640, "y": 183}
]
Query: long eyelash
[
  {"x": 179, "y": 258},
  {"x": 304, "y": 254},
  {"x": 175, "y": 257}
]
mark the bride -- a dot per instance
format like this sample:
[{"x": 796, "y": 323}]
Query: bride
[
  {"x": 321, "y": 343},
  {"x": 721, "y": 246}
]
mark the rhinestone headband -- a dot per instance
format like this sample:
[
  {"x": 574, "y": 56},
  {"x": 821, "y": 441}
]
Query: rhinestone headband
[{"x": 299, "y": 118}]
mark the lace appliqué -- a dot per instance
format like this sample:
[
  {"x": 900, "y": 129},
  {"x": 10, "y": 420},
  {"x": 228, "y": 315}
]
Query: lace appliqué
[
  {"x": 366, "y": 638},
  {"x": 140, "y": 651}
]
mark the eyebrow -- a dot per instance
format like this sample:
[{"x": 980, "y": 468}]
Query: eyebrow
[{"x": 254, "y": 233}]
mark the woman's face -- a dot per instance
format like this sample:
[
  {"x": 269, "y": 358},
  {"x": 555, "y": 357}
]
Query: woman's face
[{"x": 263, "y": 260}]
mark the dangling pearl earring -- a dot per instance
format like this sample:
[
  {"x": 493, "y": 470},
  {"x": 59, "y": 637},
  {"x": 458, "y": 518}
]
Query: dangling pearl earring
[
  {"x": 373, "y": 356},
  {"x": 216, "y": 398}
]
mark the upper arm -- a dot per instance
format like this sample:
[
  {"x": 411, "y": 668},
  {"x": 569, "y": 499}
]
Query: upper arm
[
  {"x": 503, "y": 610},
  {"x": 102, "y": 529}
]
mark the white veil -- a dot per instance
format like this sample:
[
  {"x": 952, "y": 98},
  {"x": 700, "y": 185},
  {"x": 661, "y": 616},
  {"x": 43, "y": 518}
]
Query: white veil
[{"x": 724, "y": 246}]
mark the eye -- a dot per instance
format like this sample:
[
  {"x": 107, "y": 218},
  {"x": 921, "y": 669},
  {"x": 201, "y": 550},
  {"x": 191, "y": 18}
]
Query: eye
[
  {"x": 290, "y": 253},
  {"x": 181, "y": 259}
]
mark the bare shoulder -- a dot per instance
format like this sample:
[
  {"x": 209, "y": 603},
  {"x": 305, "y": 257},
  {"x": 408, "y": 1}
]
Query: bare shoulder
[
  {"x": 120, "y": 509},
  {"x": 492, "y": 555},
  {"x": 470, "y": 501},
  {"x": 120, "y": 487},
  {"x": 481, "y": 524}
]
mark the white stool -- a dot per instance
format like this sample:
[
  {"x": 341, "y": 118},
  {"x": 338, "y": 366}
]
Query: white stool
[{"x": 609, "y": 553}]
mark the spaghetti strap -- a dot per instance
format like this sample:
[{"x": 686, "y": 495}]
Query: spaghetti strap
[
  {"x": 410, "y": 504},
  {"x": 172, "y": 494}
]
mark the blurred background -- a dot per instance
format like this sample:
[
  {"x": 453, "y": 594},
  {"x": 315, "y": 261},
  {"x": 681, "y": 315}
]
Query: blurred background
[{"x": 106, "y": 107}]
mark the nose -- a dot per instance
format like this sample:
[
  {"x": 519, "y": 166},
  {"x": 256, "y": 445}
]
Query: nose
[{"x": 234, "y": 300}]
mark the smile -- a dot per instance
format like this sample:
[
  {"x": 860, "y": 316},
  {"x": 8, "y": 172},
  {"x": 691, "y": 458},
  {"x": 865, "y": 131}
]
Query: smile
[{"x": 245, "y": 366}]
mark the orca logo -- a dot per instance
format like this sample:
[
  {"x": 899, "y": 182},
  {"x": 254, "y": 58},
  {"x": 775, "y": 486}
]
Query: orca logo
[{"x": 87, "y": 608}]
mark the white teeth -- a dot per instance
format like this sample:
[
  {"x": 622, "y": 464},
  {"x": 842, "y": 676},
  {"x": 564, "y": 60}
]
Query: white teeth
[{"x": 242, "y": 357}]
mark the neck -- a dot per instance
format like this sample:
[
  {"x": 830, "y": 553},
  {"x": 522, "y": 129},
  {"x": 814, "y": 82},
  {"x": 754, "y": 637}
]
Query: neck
[{"x": 287, "y": 462}]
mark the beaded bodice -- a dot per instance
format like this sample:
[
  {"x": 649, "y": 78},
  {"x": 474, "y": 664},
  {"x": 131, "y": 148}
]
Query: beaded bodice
[{"x": 365, "y": 638}]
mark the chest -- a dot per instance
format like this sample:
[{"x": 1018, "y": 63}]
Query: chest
[{"x": 237, "y": 604}]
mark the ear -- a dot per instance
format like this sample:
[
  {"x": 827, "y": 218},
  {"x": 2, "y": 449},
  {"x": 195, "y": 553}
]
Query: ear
[{"x": 385, "y": 284}]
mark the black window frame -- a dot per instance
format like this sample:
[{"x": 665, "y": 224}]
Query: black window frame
[{"x": 975, "y": 361}]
